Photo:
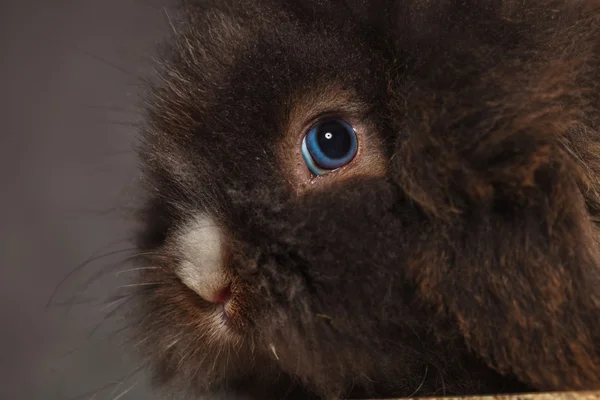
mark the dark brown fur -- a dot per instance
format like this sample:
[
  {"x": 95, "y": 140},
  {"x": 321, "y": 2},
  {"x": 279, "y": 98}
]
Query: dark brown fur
[{"x": 471, "y": 266}]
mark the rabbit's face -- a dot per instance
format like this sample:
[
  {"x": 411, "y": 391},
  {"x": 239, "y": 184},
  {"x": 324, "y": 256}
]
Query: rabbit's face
[{"x": 301, "y": 171}]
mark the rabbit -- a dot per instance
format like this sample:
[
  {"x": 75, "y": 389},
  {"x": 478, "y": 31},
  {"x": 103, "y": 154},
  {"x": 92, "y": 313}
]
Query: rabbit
[{"x": 353, "y": 199}]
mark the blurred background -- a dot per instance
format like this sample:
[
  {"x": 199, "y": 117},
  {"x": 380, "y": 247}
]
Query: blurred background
[{"x": 69, "y": 77}]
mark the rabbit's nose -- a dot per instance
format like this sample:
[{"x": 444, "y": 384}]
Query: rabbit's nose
[
  {"x": 201, "y": 267},
  {"x": 221, "y": 296}
]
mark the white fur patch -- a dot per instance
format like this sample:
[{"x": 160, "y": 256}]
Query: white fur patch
[{"x": 200, "y": 247}]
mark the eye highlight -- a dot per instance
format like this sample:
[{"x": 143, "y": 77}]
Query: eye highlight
[{"x": 329, "y": 145}]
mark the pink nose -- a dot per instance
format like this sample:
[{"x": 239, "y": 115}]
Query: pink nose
[{"x": 222, "y": 296}]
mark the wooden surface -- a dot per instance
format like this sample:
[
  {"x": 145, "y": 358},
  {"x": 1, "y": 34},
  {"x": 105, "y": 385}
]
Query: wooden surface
[{"x": 538, "y": 396}]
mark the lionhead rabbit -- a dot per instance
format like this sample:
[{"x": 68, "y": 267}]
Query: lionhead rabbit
[{"x": 354, "y": 198}]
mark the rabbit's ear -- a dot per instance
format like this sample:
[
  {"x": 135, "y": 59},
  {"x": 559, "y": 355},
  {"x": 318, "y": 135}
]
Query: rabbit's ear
[
  {"x": 512, "y": 255},
  {"x": 522, "y": 280},
  {"x": 484, "y": 118}
]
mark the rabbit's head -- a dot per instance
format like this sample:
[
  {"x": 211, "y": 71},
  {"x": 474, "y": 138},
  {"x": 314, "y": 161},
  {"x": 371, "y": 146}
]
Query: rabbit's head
[{"x": 350, "y": 198}]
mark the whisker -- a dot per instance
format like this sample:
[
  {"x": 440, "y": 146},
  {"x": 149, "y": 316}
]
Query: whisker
[
  {"x": 185, "y": 355},
  {"x": 128, "y": 124},
  {"x": 94, "y": 278},
  {"x": 108, "y": 63},
  {"x": 79, "y": 267},
  {"x": 443, "y": 385},
  {"x": 91, "y": 395},
  {"x": 113, "y": 108},
  {"x": 126, "y": 298},
  {"x": 86, "y": 284},
  {"x": 72, "y": 303},
  {"x": 91, "y": 301},
  {"x": 110, "y": 314},
  {"x": 126, "y": 391},
  {"x": 135, "y": 269},
  {"x": 422, "y": 382},
  {"x": 119, "y": 300},
  {"x": 170, "y": 21},
  {"x": 141, "y": 284},
  {"x": 123, "y": 328}
]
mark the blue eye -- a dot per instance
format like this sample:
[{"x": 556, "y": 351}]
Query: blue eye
[{"x": 329, "y": 145}]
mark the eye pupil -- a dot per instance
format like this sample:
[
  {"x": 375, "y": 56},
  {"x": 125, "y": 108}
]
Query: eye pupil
[
  {"x": 334, "y": 139},
  {"x": 329, "y": 145}
]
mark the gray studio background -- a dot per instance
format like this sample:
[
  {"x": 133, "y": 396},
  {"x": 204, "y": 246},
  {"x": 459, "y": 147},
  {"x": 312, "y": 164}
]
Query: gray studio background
[{"x": 66, "y": 168}]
